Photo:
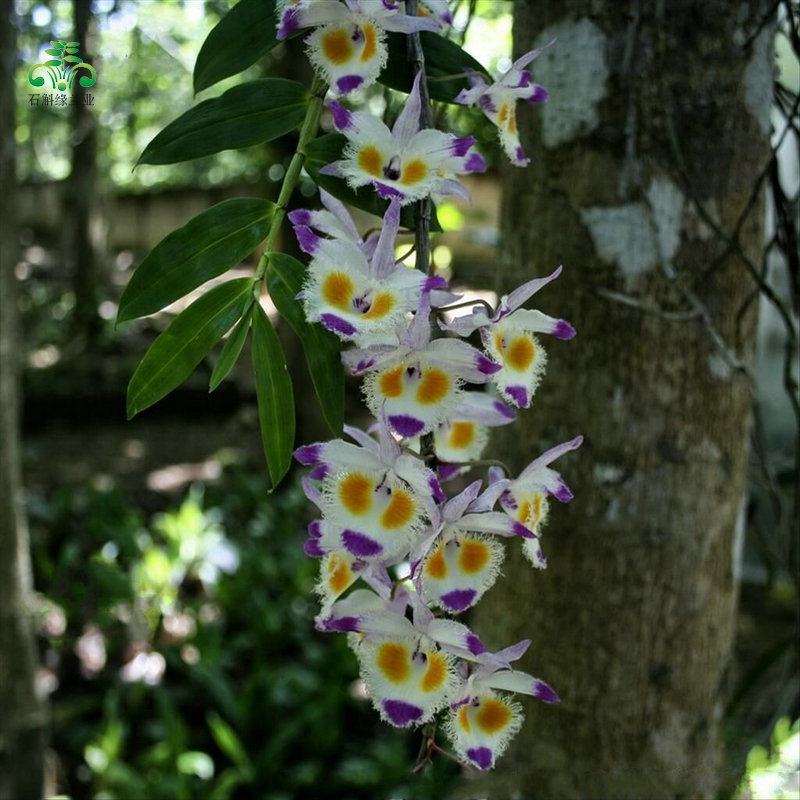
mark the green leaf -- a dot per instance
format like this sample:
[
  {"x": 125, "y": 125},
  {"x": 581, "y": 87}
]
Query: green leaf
[
  {"x": 239, "y": 39},
  {"x": 321, "y": 348},
  {"x": 328, "y": 148},
  {"x": 52, "y": 63},
  {"x": 231, "y": 351},
  {"x": 194, "y": 762},
  {"x": 275, "y": 396},
  {"x": 205, "y": 247},
  {"x": 227, "y": 740},
  {"x": 181, "y": 347},
  {"x": 72, "y": 59},
  {"x": 443, "y": 57},
  {"x": 253, "y": 112},
  {"x": 53, "y": 52}
]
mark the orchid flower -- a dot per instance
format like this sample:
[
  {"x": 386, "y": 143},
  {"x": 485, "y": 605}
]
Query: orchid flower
[
  {"x": 334, "y": 221},
  {"x": 372, "y": 495},
  {"x": 525, "y": 498},
  {"x": 406, "y": 162},
  {"x": 358, "y": 297},
  {"x": 379, "y": 505},
  {"x": 499, "y": 102},
  {"x": 465, "y": 434},
  {"x": 455, "y": 563},
  {"x": 407, "y": 667},
  {"x": 509, "y": 339},
  {"x": 482, "y": 722},
  {"x": 348, "y": 45},
  {"x": 417, "y": 384}
]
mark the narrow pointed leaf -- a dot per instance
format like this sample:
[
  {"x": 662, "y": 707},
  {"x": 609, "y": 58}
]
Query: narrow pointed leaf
[
  {"x": 182, "y": 346},
  {"x": 205, "y": 247},
  {"x": 328, "y": 148},
  {"x": 227, "y": 740},
  {"x": 238, "y": 40},
  {"x": 275, "y": 396},
  {"x": 321, "y": 348},
  {"x": 52, "y": 52},
  {"x": 443, "y": 57},
  {"x": 248, "y": 114},
  {"x": 231, "y": 351}
]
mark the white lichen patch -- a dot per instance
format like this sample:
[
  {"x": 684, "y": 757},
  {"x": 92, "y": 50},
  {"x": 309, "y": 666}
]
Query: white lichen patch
[
  {"x": 575, "y": 73},
  {"x": 666, "y": 204},
  {"x": 758, "y": 80},
  {"x": 607, "y": 473},
  {"x": 622, "y": 235},
  {"x": 719, "y": 367}
]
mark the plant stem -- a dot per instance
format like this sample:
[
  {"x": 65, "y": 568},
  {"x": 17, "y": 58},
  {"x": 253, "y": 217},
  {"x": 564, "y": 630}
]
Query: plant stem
[
  {"x": 307, "y": 132},
  {"x": 422, "y": 217}
]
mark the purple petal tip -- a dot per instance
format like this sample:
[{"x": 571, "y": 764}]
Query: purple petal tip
[
  {"x": 522, "y": 531},
  {"x": 563, "y": 494},
  {"x": 434, "y": 282},
  {"x": 319, "y": 472},
  {"x": 300, "y": 216},
  {"x": 475, "y": 163},
  {"x": 385, "y": 191},
  {"x": 306, "y": 238},
  {"x": 458, "y": 599},
  {"x": 518, "y": 395},
  {"x": 538, "y": 95},
  {"x": 507, "y": 412},
  {"x": 405, "y": 425},
  {"x": 341, "y": 625},
  {"x": 563, "y": 330},
  {"x": 436, "y": 490},
  {"x": 342, "y": 118},
  {"x": 337, "y": 324},
  {"x": 488, "y": 367},
  {"x": 312, "y": 549},
  {"x": 401, "y": 713},
  {"x": 308, "y": 454},
  {"x": 289, "y": 23},
  {"x": 447, "y": 471},
  {"x": 482, "y": 757},
  {"x": 349, "y": 83},
  {"x": 546, "y": 694},
  {"x": 475, "y": 645},
  {"x": 460, "y": 145},
  {"x": 360, "y": 545}
]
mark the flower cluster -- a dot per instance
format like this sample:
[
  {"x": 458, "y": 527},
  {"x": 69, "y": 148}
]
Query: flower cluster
[{"x": 399, "y": 556}]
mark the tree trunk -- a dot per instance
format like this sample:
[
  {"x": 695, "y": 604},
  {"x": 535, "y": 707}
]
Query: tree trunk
[
  {"x": 81, "y": 188},
  {"x": 21, "y": 718},
  {"x": 658, "y": 114}
]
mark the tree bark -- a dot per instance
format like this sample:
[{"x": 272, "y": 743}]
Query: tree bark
[
  {"x": 21, "y": 717},
  {"x": 81, "y": 189},
  {"x": 658, "y": 114}
]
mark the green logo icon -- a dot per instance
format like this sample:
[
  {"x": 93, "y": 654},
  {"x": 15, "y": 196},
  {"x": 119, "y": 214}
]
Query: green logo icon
[{"x": 63, "y": 69}]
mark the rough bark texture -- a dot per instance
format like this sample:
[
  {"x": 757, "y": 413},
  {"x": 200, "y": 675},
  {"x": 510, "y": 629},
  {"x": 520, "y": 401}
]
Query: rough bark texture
[
  {"x": 21, "y": 721},
  {"x": 652, "y": 105}
]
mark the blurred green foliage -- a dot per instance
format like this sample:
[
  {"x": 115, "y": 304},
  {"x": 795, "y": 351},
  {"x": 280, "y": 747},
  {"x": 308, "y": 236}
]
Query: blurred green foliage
[
  {"x": 182, "y": 659},
  {"x": 144, "y": 55},
  {"x": 774, "y": 774}
]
